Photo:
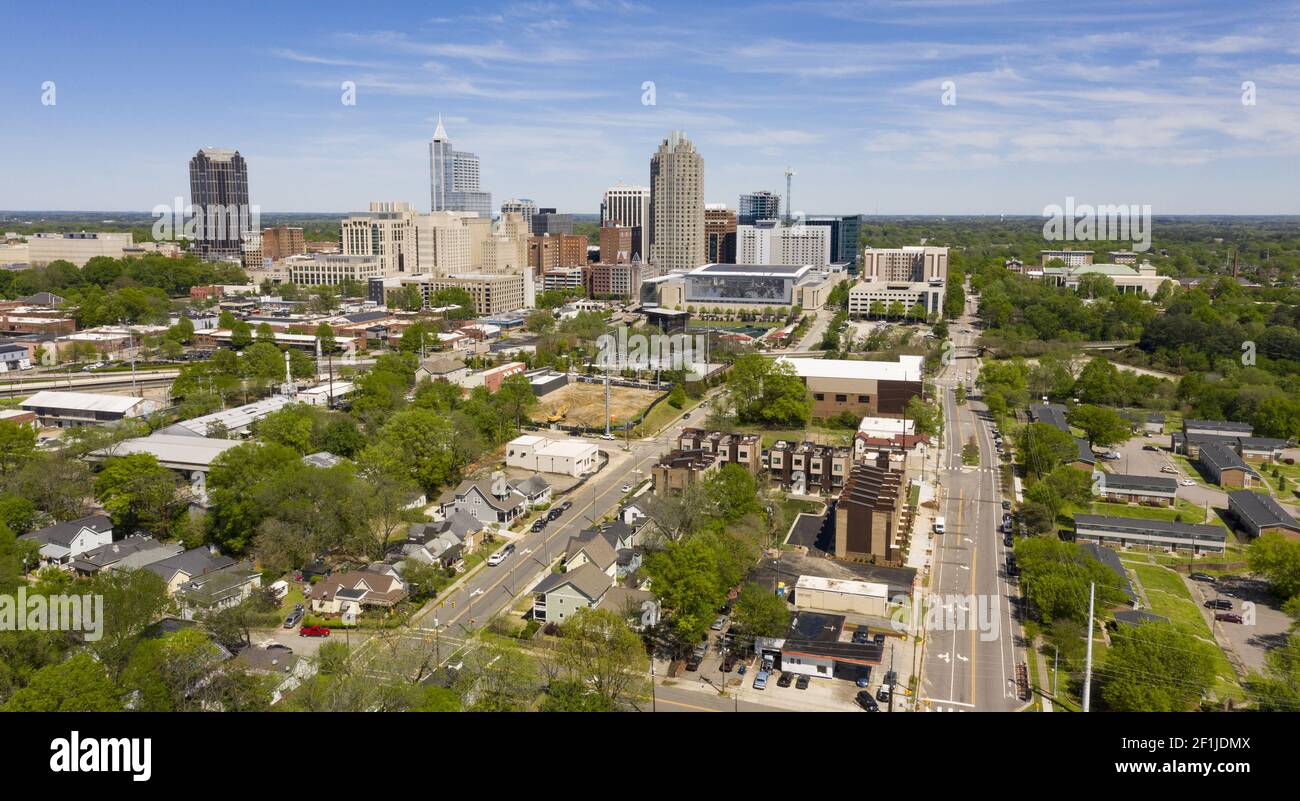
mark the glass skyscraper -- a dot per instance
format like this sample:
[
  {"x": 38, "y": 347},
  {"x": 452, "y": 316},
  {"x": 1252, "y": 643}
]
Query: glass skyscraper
[
  {"x": 453, "y": 178},
  {"x": 760, "y": 205}
]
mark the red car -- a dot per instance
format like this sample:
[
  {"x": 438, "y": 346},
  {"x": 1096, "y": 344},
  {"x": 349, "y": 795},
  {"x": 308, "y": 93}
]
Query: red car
[
  {"x": 1228, "y": 617},
  {"x": 313, "y": 631}
]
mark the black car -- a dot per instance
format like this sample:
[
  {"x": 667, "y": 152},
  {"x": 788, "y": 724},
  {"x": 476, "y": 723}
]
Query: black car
[
  {"x": 566, "y": 506},
  {"x": 867, "y": 702},
  {"x": 1206, "y": 577},
  {"x": 1150, "y": 448},
  {"x": 1012, "y": 568},
  {"x": 1006, "y": 504},
  {"x": 878, "y": 638},
  {"x": 554, "y": 514},
  {"x": 801, "y": 683},
  {"x": 785, "y": 680},
  {"x": 1009, "y": 540},
  {"x": 539, "y": 524},
  {"x": 861, "y": 636},
  {"x": 1218, "y": 603}
]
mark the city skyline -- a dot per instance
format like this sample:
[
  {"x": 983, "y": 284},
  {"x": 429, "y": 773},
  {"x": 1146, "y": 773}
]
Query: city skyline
[{"x": 1125, "y": 104}]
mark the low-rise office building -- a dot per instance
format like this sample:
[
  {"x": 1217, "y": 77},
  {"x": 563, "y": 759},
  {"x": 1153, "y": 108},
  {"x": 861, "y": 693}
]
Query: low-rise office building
[
  {"x": 568, "y": 458},
  {"x": 1132, "y": 532},
  {"x": 875, "y": 298},
  {"x": 862, "y": 388},
  {"x": 69, "y": 409}
]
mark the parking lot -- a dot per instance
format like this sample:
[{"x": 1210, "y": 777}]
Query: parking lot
[
  {"x": 1135, "y": 460},
  {"x": 1247, "y": 641}
]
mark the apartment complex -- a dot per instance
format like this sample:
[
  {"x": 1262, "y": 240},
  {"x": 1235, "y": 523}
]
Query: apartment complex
[
  {"x": 872, "y": 521},
  {"x": 454, "y": 178},
  {"x": 677, "y": 205},
  {"x": 219, "y": 194}
]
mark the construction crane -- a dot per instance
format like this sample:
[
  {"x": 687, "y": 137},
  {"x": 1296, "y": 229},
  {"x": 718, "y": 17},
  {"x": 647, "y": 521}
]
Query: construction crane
[{"x": 789, "y": 173}]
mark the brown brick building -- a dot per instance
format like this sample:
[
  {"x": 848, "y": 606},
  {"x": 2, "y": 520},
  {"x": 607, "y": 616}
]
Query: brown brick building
[
  {"x": 616, "y": 244},
  {"x": 871, "y": 516},
  {"x": 281, "y": 242}
]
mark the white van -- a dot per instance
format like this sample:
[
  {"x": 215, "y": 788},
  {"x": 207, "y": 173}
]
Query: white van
[{"x": 938, "y": 525}]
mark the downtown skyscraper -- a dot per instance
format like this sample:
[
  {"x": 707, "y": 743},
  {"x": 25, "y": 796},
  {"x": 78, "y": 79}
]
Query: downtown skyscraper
[
  {"x": 629, "y": 206},
  {"x": 454, "y": 178},
  {"x": 677, "y": 205},
  {"x": 219, "y": 195}
]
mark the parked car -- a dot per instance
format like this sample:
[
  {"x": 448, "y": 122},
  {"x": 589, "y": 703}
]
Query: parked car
[
  {"x": 719, "y": 623},
  {"x": 801, "y": 683},
  {"x": 728, "y": 663},
  {"x": 861, "y": 635},
  {"x": 1228, "y": 617},
  {"x": 313, "y": 631},
  {"x": 1006, "y": 504},
  {"x": 294, "y": 618},
  {"x": 868, "y": 703},
  {"x": 1218, "y": 603},
  {"x": 786, "y": 679},
  {"x": 885, "y": 692},
  {"x": 760, "y": 680},
  {"x": 1150, "y": 448},
  {"x": 626, "y": 488},
  {"x": 878, "y": 638},
  {"x": 865, "y": 678},
  {"x": 1206, "y": 577},
  {"x": 538, "y": 524},
  {"x": 1168, "y": 469},
  {"x": 554, "y": 514},
  {"x": 1187, "y": 482}
]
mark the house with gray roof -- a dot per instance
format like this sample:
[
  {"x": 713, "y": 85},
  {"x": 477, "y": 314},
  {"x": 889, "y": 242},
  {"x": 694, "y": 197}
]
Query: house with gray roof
[
  {"x": 535, "y": 488},
  {"x": 489, "y": 502},
  {"x": 62, "y": 542},
  {"x": 188, "y": 565},
  {"x": 560, "y": 595},
  {"x": 130, "y": 553},
  {"x": 1261, "y": 514},
  {"x": 217, "y": 589}
]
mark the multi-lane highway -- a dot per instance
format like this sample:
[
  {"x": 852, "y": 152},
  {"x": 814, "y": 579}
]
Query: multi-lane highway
[{"x": 970, "y": 650}]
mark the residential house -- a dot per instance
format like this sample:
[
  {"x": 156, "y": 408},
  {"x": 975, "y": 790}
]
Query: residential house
[
  {"x": 1258, "y": 514},
  {"x": 348, "y": 593},
  {"x": 186, "y": 566},
  {"x": 441, "y": 366},
  {"x": 130, "y": 553},
  {"x": 218, "y": 589},
  {"x": 61, "y": 542},
  {"x": 561, "y": 595}
]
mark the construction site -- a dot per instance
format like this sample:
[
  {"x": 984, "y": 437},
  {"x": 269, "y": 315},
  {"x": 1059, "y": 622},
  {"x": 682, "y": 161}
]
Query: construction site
[{"x": 582, "y": 404}]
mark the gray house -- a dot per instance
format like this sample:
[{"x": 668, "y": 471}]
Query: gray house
[{"x": 560, "y": 595}]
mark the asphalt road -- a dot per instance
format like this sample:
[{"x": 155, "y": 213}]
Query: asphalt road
[
  {"x": 493, "y": 589},
  {"x": 674, "y": 699},
  {"x": 969, "y": 665}
]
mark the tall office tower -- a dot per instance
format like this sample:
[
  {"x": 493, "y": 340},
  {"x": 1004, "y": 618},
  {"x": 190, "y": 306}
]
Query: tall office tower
[
  {"x": 677, "y": 205},
  {"x": 548, "y": 221},
  {"x": 760, "y": 205},
  {"x": 524, "y": 207},
  {"x": 453, "y": 178},
  {"x": 720, "y": 233},
  {"x": 615, "y": 243},
  {"x": 219, "y": 193},
  {"x": 630, "y": 206},
  {"x": 845, "y": 231}
]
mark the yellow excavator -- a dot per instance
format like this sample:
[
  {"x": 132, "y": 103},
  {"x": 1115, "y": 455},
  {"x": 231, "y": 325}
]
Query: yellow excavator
[{"x": 558, "y": 413}]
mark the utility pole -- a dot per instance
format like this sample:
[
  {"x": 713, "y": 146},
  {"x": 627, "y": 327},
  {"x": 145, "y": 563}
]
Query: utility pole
[
  {"x": 1087, "y": 665},
  {"x": 1056, "y": 663}
]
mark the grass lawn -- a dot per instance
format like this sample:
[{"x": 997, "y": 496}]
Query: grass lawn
[
  {"x": 1169, "y": 596},
  {"x": 661, "y": 415},
  {"x": 1190, "y": 512},
  {"x": 1289, "y": 472}
]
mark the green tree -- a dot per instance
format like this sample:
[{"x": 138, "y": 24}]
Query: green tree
[
  {"x": 1154, "y": 667},
  {"x": 241, "y": 335},
  {"x": 1277, "y": 688},
  {"x": 17, "y": 444},
  {"x": 1102, "y": 426},
  {"x": 760, "y": 613},
  {"x": 599, "y": 651},
  {"x": 79, "y": 684},
  {"x": 1043, "y": 448},
  {"x": 1277, "y": 559},
  {"x": 325, "y": 336},
  {"x": 138, "y": 493}
]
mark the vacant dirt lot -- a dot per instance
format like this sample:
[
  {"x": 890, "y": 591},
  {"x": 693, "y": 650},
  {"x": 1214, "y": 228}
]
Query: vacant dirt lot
[{"x": 584, "y": 404}]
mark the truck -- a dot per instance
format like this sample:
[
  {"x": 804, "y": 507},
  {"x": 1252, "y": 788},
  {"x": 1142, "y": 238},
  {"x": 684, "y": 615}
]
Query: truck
[{"x": 938, "y": 525}]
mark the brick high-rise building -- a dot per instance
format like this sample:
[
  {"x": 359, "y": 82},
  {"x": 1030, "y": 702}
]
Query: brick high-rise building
[
  {"x": 630, "y": 206},
  {"x": 282, "y": 242},
  {"x": 616, "y": 243}
]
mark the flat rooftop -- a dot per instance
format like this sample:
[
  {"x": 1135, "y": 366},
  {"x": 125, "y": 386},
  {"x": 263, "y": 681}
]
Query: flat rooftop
[{"x": 907, "y": 368}]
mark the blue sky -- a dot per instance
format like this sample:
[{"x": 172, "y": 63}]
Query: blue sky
[{"x": 1108, "y": 102}]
